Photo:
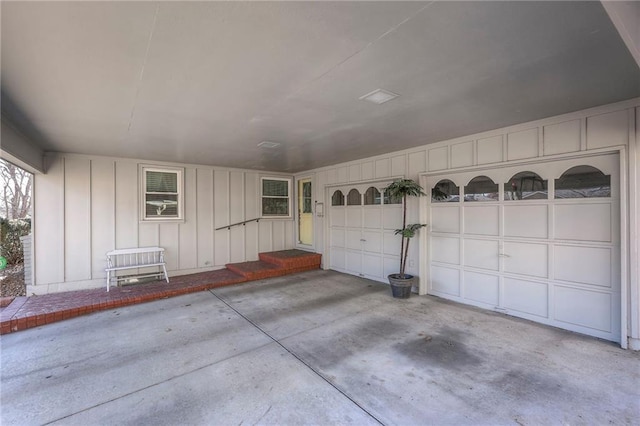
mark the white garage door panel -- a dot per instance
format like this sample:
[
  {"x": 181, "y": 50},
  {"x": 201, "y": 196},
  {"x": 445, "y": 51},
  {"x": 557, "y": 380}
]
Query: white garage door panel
[
  {"x": 526, "y": 296},
  {"x": 354, "y": 217},
  {"x": 337, "y": 216},
  {"x": 585, "y": 308},
  {"x": 481, "y": 253},
  {"x": 445, "y": 219},
  {"x": 337, "y": 237},
  {"x": 372, "y": 241},
  {"x": 530, "y": 221},
  {"x": 481, "y": 220},
  {"x": 392, "y": 216},
  {"x": 391, "y": 243},
  {"x": 372, "y": 217},
  {"x": 372, "y": 266},
  {"x": 337, "y": 258},
  {"x": 526, "y": 259},
  {"x": 482, "y": 288},
  {"x": 445, "y": 250},
  {"x": 445, "y": 280},
  {"x": 586, "y": 265},
  {"x": 391, "y": 266},
  {"x": 354, "y": 262},
  {"x": 353, "y": 239},
  {"x": 583, "y": 222}
]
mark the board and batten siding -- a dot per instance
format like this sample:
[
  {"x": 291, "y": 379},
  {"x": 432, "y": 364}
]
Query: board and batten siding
[{"x": 86, "y": 206}]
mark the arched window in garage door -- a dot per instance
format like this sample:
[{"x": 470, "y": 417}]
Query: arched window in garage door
[
  {"x": 583, "y": 182},
  {"x": 337, "y": 199},
  {"x": 445, "y": 191},
  {"x": 354, "y": 198},
  {"x": 525, "y": 186},
  {"x": 390, "y": 199},
  {"x": 481, "y": 188},
  {"x": 372, "y": 196}
]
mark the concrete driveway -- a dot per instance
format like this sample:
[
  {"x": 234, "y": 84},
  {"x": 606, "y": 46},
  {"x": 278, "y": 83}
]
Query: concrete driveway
[{"x": 312, "y": 348}]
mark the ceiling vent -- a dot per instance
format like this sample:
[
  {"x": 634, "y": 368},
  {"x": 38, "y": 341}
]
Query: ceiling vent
[
  {"x": 268, "y": 144},
  {"x": 379, "y": 96}
]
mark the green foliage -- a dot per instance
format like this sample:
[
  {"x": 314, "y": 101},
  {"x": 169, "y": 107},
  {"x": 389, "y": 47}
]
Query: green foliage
[
  {"x": 403, "y": 188},
  {"x": 410, "y": 230},
  {"x": 10, "y": 233}
]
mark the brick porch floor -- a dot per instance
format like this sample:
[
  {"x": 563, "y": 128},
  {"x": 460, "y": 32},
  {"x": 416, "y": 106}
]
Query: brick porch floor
[{"x": 34, "y": 311}]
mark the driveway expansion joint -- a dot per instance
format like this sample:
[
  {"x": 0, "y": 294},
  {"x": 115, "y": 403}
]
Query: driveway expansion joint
[{"x": 293, "y": 354}]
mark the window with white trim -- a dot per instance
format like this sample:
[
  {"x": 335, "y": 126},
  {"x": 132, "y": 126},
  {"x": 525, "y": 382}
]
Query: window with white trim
[
  {"x": 275, "y": 196},
  {"x": 161, "y": 193}
]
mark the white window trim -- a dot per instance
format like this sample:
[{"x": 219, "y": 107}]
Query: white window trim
[
  {"x": 142, "y": 169},
  {"x": 289, "y": 181}
]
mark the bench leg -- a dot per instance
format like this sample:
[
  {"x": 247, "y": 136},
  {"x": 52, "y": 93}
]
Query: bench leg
[
  {"x": 108, "y": 279},
  {"x": 166, "y": 277}
]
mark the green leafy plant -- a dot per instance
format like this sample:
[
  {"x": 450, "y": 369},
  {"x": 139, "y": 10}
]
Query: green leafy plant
[
  {"x": 403, "y": 189},
  {"x": 10, "y": 233}
]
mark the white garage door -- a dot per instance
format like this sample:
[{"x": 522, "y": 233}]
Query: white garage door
[
  {"x": 538, "y": 241},
  {"x": 362, "y": 221}
]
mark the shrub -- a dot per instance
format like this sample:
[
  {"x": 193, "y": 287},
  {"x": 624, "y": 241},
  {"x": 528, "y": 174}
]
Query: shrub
[{"x": 10, "y": 245}]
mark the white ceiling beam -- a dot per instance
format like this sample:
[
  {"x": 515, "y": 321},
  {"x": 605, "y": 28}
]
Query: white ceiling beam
[
  {"x": 19, "y": 150},
  {"x": 625, "y": 15}
]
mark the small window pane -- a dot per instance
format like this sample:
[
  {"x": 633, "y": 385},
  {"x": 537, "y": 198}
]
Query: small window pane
[
  {"x": 372, "y": 196},
  {"x": 353, "y": 199},
  {"x": 481, "y": 188},
  {"x": 164, "y": 205},
  {"x": 306, "y": 205},
  {"x": 162, "y": 182},
  {"x": 275, "y": 206},
  {"x": 275, "y": 188},
  {"x": 337, "y": 199},
  {"x": 445, "y": 191},
  {"x": 306, "y": 189},
  {"x": 389, "y": 199},
  {"x": 583, "y": 182},
  {"x": 525, "y": 186},
  {"x": 306, "y": 197}
]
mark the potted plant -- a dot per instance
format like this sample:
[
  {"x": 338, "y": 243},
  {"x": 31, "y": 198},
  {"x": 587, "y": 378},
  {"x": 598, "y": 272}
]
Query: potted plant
[{"x": 401, "y": 283}]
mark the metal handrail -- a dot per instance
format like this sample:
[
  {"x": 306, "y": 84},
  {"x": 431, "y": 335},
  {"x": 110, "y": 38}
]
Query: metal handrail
[{"x": 257, "y": 219}]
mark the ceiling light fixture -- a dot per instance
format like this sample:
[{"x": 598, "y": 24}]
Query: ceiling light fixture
[
  {"x": 379, "y": 96},
  {"x": 268, "y": 144}
]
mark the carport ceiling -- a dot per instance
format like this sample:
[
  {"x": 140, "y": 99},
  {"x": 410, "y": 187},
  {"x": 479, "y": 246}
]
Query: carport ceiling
[{"x": 205, "y": 82}]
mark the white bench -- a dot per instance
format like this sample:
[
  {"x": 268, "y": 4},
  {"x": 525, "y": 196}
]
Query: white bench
[{"x": 134, "y": 258}]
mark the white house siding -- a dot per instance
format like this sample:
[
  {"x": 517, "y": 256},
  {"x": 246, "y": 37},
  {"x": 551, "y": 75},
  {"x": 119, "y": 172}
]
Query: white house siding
[
  {"x": 88, "y": 205},
  {"x": 602, "y": 129}
]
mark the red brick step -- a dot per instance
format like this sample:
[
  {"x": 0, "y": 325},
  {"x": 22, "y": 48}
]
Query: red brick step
[
  {"x": 256, "y": 270},
  {"x": 292, "y": 259},
  {"x": 277, "y": 263}
]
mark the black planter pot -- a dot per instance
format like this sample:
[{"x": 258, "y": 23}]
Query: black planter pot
[{"x": 401, "y": 287}]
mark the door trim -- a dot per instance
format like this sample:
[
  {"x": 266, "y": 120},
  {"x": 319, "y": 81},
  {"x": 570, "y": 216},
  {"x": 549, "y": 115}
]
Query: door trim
[{"x": 298, "y": 244}]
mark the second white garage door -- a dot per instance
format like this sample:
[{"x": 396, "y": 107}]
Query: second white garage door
[
  {"x": 540, "y": 241},
  {"x": 362, "y": 221}
]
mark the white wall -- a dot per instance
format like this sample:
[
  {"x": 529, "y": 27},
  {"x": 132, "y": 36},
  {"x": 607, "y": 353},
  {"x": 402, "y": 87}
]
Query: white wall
[
  {"x": 601, "y": 129},
  {"x": 88, "y": 205}
]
